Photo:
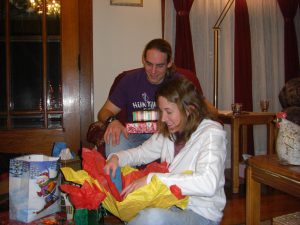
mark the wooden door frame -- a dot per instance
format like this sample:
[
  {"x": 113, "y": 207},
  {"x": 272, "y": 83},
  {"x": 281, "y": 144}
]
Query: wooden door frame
[{"x": 86, "y": 68}]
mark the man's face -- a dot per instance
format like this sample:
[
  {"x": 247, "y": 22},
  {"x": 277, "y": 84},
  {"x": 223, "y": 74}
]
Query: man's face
[{"x": 156, "y": 65}]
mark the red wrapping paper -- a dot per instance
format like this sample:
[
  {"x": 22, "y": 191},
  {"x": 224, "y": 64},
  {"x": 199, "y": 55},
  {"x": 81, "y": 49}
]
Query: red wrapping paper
[
  {"x": 150, "y": 168},
  {"x": 85, "y": 197},
  {"x": 90, "y": 196},
  {"x": 93, "y": 163},
  {"x": 141, "y": 127}
]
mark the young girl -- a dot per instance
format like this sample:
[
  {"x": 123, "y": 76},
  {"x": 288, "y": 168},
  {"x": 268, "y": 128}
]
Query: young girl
[{"x": 188, "y": 139}]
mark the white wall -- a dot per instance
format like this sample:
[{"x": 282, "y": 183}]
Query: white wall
[{"x": 119, "y": 36}]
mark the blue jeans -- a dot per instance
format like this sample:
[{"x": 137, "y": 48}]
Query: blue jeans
[
  {"x": 172, "y": 216},
  {"x": 133, "y": 141}
]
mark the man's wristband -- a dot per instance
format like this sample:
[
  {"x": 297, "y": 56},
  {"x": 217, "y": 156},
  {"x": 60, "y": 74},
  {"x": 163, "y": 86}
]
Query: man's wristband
[{"x": 110, "y": 119}]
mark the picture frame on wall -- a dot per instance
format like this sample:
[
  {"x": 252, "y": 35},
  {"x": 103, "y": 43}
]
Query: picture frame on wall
[{"x": 127, "y": 2}]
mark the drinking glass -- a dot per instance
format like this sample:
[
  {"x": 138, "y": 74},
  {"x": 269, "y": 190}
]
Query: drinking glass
[
  {"x": 236, "y": 108},
  {"x": 264, "y": 105}
]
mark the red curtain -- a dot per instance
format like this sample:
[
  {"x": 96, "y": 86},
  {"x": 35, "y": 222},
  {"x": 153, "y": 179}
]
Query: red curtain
[
  {"x": 184, "y": 54},
  {"x": 291, "y": 58},
  {"x": 242, "y": 63},
  {"x": 242, "y": 56},
  {"x": 163, "y": 4}
]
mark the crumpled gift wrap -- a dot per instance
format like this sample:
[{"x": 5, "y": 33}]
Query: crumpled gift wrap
[
  {"x": 131, "y": 174},
  {"x": 88, "y": 196},
  {"x": 154, "y": 194}
]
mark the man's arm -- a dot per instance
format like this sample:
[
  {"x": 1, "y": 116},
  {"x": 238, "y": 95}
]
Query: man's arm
[
  {"x": 108, "y": 109},
  {"x": 114, "y": 127}
]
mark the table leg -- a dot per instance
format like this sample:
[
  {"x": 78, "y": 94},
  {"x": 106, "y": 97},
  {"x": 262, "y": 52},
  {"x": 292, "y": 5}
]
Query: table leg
[
  {"x": 235, "y": 136},
  {"x": 271, "y": 138},
  {"x": 252, "y": 199},
  {"x": 244, "y": 139}
]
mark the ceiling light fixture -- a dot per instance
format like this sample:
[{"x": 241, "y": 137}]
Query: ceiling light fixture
[{"x": 52, "y": 6}]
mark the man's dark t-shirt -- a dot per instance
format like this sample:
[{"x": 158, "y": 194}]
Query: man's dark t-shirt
[{"x": 135, "y": 92}]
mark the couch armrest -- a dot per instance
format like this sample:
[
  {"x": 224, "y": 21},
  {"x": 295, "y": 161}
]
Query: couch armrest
[{"x": 95, "y": 135}]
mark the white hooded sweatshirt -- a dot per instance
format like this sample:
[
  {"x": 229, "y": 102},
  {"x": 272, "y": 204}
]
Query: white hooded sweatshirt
[{"x": 203, "y": 157}]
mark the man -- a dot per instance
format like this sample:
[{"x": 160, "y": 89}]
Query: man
[{"x": 136, "y": 91}]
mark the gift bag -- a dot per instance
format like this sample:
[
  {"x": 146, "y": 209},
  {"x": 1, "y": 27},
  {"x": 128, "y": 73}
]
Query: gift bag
[{"x": 33, "y": 187}]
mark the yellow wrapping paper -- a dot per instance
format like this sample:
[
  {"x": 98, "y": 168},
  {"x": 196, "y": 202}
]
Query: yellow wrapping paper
[{"x": 153, "y": 195}]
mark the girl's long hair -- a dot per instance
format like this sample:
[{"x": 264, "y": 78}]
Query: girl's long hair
[{"x": 185, "y": 95}]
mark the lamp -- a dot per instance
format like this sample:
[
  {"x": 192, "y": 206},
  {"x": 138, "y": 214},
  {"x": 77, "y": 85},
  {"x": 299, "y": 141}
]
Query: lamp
[
  {"x": 217, "y": 30},
  {"x": 52, "y": 6}
]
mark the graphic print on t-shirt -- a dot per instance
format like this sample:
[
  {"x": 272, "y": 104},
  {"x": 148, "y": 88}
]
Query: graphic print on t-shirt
[
  {"x": 144, "y": 110},
  {"x": 144, "y": 105},
  {"x": 145, "y": 97}
]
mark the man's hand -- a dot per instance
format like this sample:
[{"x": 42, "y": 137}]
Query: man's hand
[
  {"x": 134, "y": 186},
  {"x": 114, "y": 129},
  {"x": 113, "y": 132}
]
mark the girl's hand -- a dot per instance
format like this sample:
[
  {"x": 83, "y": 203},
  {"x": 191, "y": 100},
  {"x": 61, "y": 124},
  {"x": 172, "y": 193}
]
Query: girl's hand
[
  {"x": 111, "y": 165},
  {"x": 134, "y": 186}
]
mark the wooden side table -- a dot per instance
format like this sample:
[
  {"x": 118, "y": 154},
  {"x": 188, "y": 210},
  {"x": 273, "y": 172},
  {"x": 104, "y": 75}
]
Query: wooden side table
[
  {"x": 242, "y": 120},
  {"x": 266, "y": 169}
]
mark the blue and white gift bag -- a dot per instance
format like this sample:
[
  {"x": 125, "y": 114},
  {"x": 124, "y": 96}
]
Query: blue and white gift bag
[{"x": 33, "y": 187}]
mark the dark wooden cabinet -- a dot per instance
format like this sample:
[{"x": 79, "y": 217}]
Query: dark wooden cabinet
[{"x": 45, "y": 83}]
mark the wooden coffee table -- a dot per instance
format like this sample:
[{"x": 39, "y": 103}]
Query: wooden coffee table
[{"x": 266, "y": 169}]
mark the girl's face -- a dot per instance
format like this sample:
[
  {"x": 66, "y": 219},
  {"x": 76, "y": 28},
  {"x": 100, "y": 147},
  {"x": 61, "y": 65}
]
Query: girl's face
[{"x": 170, "y": 115}]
